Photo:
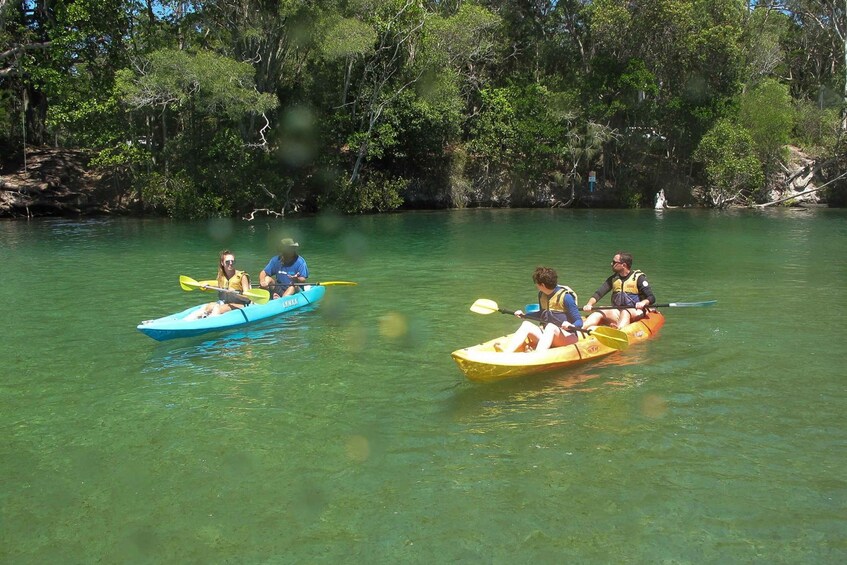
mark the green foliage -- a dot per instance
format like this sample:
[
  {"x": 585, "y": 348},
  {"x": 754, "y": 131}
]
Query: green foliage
[
  {"x": 465, "y": 37},
  {"x": 121, "y": 156},
  {"x": 764, "y": 43},
  {"x": 816, "y": 129},
  {"x": 733, "y": 169},
  {"x": 376, "y": 193},
  {"x": 6, "y": 117},
  {"x": 493, "y": 133},
  {"x": 767, "y": 113},
  {"x": 347, "y": 37},
  {"x": 523, "y": 130},
  {"x": 178, "y": 196},
  {"x": 251, "y": 104},
  {"x": 210, "y": 83}
]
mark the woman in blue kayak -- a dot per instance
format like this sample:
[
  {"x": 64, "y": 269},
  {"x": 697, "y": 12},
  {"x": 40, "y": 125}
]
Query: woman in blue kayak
[
  {"x": 558, "y": 313},
  {"x": 234, "y": 281}
]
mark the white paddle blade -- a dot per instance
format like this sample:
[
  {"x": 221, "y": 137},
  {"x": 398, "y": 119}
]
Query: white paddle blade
[{"x": 484, "y": 306}]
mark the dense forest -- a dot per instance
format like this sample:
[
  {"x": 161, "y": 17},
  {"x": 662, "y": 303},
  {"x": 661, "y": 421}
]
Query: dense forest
[{"x": 249, "y": 107}]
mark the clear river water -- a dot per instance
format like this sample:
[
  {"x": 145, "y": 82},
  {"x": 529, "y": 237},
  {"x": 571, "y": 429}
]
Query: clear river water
[{"x": 347, "y": 434}]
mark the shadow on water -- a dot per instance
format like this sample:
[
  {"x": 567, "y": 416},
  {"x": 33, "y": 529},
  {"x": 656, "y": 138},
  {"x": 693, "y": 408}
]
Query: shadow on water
[
  {"x": 235, "y": 345},
  {"x": 516, "y": 395}
]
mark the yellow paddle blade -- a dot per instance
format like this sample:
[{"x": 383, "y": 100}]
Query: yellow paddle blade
[
  {"x": 336, "y": 283},
  {"x": 257, "y": 295},
  {"x": 187, "y": 283},
  {"x": 484, "y": 306},
  {"x": 611, "y": 337}
]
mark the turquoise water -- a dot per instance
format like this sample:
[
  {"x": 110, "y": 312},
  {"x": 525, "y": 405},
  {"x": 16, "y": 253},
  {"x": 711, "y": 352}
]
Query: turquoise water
[{"x": 348, "y": 434}]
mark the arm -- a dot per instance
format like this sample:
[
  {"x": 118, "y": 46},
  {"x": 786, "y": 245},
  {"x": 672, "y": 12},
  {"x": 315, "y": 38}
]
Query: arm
[
  {"x": 236, "y": 297},
  {"x": 646, "y": 292},
  {"x": 598, "y": 294},
  {"x": 265, "y": 277},
  {"x": 572, "y": 312},
  {"x": 302, "y": 271}
]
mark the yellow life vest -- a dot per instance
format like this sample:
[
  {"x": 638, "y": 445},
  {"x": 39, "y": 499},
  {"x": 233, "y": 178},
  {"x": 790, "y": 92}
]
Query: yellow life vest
[
  {"x": 556, "y": 301},
  {"x": 625, "y": 291},
  {"x": 233, "y": 283}
]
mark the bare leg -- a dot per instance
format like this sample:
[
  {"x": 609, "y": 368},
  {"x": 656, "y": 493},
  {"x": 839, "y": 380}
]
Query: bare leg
[
  {"x": 201, "y": 312},
  {"x": 629, "y": 316},
  {"x": 527, "y": 330},
  {"x": 594, "y": 319},
  {"x": 554, "y": 336},
  {"x": 220, "y": 309},
  {"x": 547, "y": 336},
  {"x": 613, "y": 318}
]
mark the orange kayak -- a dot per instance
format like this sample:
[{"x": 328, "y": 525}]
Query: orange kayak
[{"x": 482, "y": 363}]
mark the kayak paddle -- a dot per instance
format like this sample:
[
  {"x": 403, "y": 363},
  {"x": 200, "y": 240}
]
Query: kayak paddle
[
  {"x": 610, "y": 337},
  {"x": 327, "y": 283},
  {"x": 613, "y": 337},
  {"x": 257, "y": 295},
  {"x": 206, "y": 285},
  {"x": 668, "y": 305}
]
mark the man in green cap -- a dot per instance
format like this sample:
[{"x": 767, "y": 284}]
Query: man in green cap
[{"x": 288, "y": 268}]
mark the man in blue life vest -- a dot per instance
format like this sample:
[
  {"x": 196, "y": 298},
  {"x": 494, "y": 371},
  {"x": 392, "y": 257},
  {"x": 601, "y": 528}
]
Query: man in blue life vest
[
  {"x": 629, "y": 288},
  {"x": 288, "y": 268},
  {"x": 558, "y": 312}
]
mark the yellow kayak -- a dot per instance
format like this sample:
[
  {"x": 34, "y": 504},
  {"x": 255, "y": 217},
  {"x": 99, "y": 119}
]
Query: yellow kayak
[{"x": 482, "y": 363}]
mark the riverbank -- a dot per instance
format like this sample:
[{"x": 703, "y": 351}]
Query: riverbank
[
  {"x": 54, "y": 182},
  {"x": 59, "y": 182}
]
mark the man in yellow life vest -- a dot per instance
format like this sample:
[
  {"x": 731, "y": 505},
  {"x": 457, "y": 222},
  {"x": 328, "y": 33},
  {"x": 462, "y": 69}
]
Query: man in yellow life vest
[{"x": 630, "y": 292}]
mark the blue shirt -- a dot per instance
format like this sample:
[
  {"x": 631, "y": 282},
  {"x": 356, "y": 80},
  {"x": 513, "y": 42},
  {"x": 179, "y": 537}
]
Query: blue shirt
[{"x": 284, "y": 271}]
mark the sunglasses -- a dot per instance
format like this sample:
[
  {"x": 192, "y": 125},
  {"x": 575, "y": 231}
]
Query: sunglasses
[{"x": 230, "y": 262}]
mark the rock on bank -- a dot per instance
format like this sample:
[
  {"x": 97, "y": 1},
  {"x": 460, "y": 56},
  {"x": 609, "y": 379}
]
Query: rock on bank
[{"x": 57, "y": 182}]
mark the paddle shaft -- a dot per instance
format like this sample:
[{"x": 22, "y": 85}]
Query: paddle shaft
[
  {"x": 666, "y": 305},
  {"x": 327, "y": 283},
  {"x": 617, "y": 341},
  {"x": 228, "y": 291},
  {"x": 528, "y": 316}
]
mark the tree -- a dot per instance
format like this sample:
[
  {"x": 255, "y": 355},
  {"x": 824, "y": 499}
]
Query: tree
[
  {"x": 767, "y": 114},
  {"x": 732, "y": 168}
]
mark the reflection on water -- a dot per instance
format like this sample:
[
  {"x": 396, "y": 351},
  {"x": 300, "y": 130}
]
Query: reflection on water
[
  {"x": 545, "y": 391},
  {"x": 236, "y": 348}
]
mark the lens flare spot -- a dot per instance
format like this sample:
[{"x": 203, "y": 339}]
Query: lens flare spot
[
  {"x": 654, "y": 406},
  {"x": 220, "y": 229},
  {"x": 393, "y": 325},
  {"x": 358, "y": 448},
  {"x": 356, "y": 337},
  {"x": 355, "y": 246}
]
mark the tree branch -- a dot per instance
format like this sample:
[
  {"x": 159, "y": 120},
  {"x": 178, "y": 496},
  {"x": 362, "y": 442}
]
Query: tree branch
[{"x": 800, "y": 194}]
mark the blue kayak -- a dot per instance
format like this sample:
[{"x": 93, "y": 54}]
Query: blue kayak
[{"x": 175, "y": 325}]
